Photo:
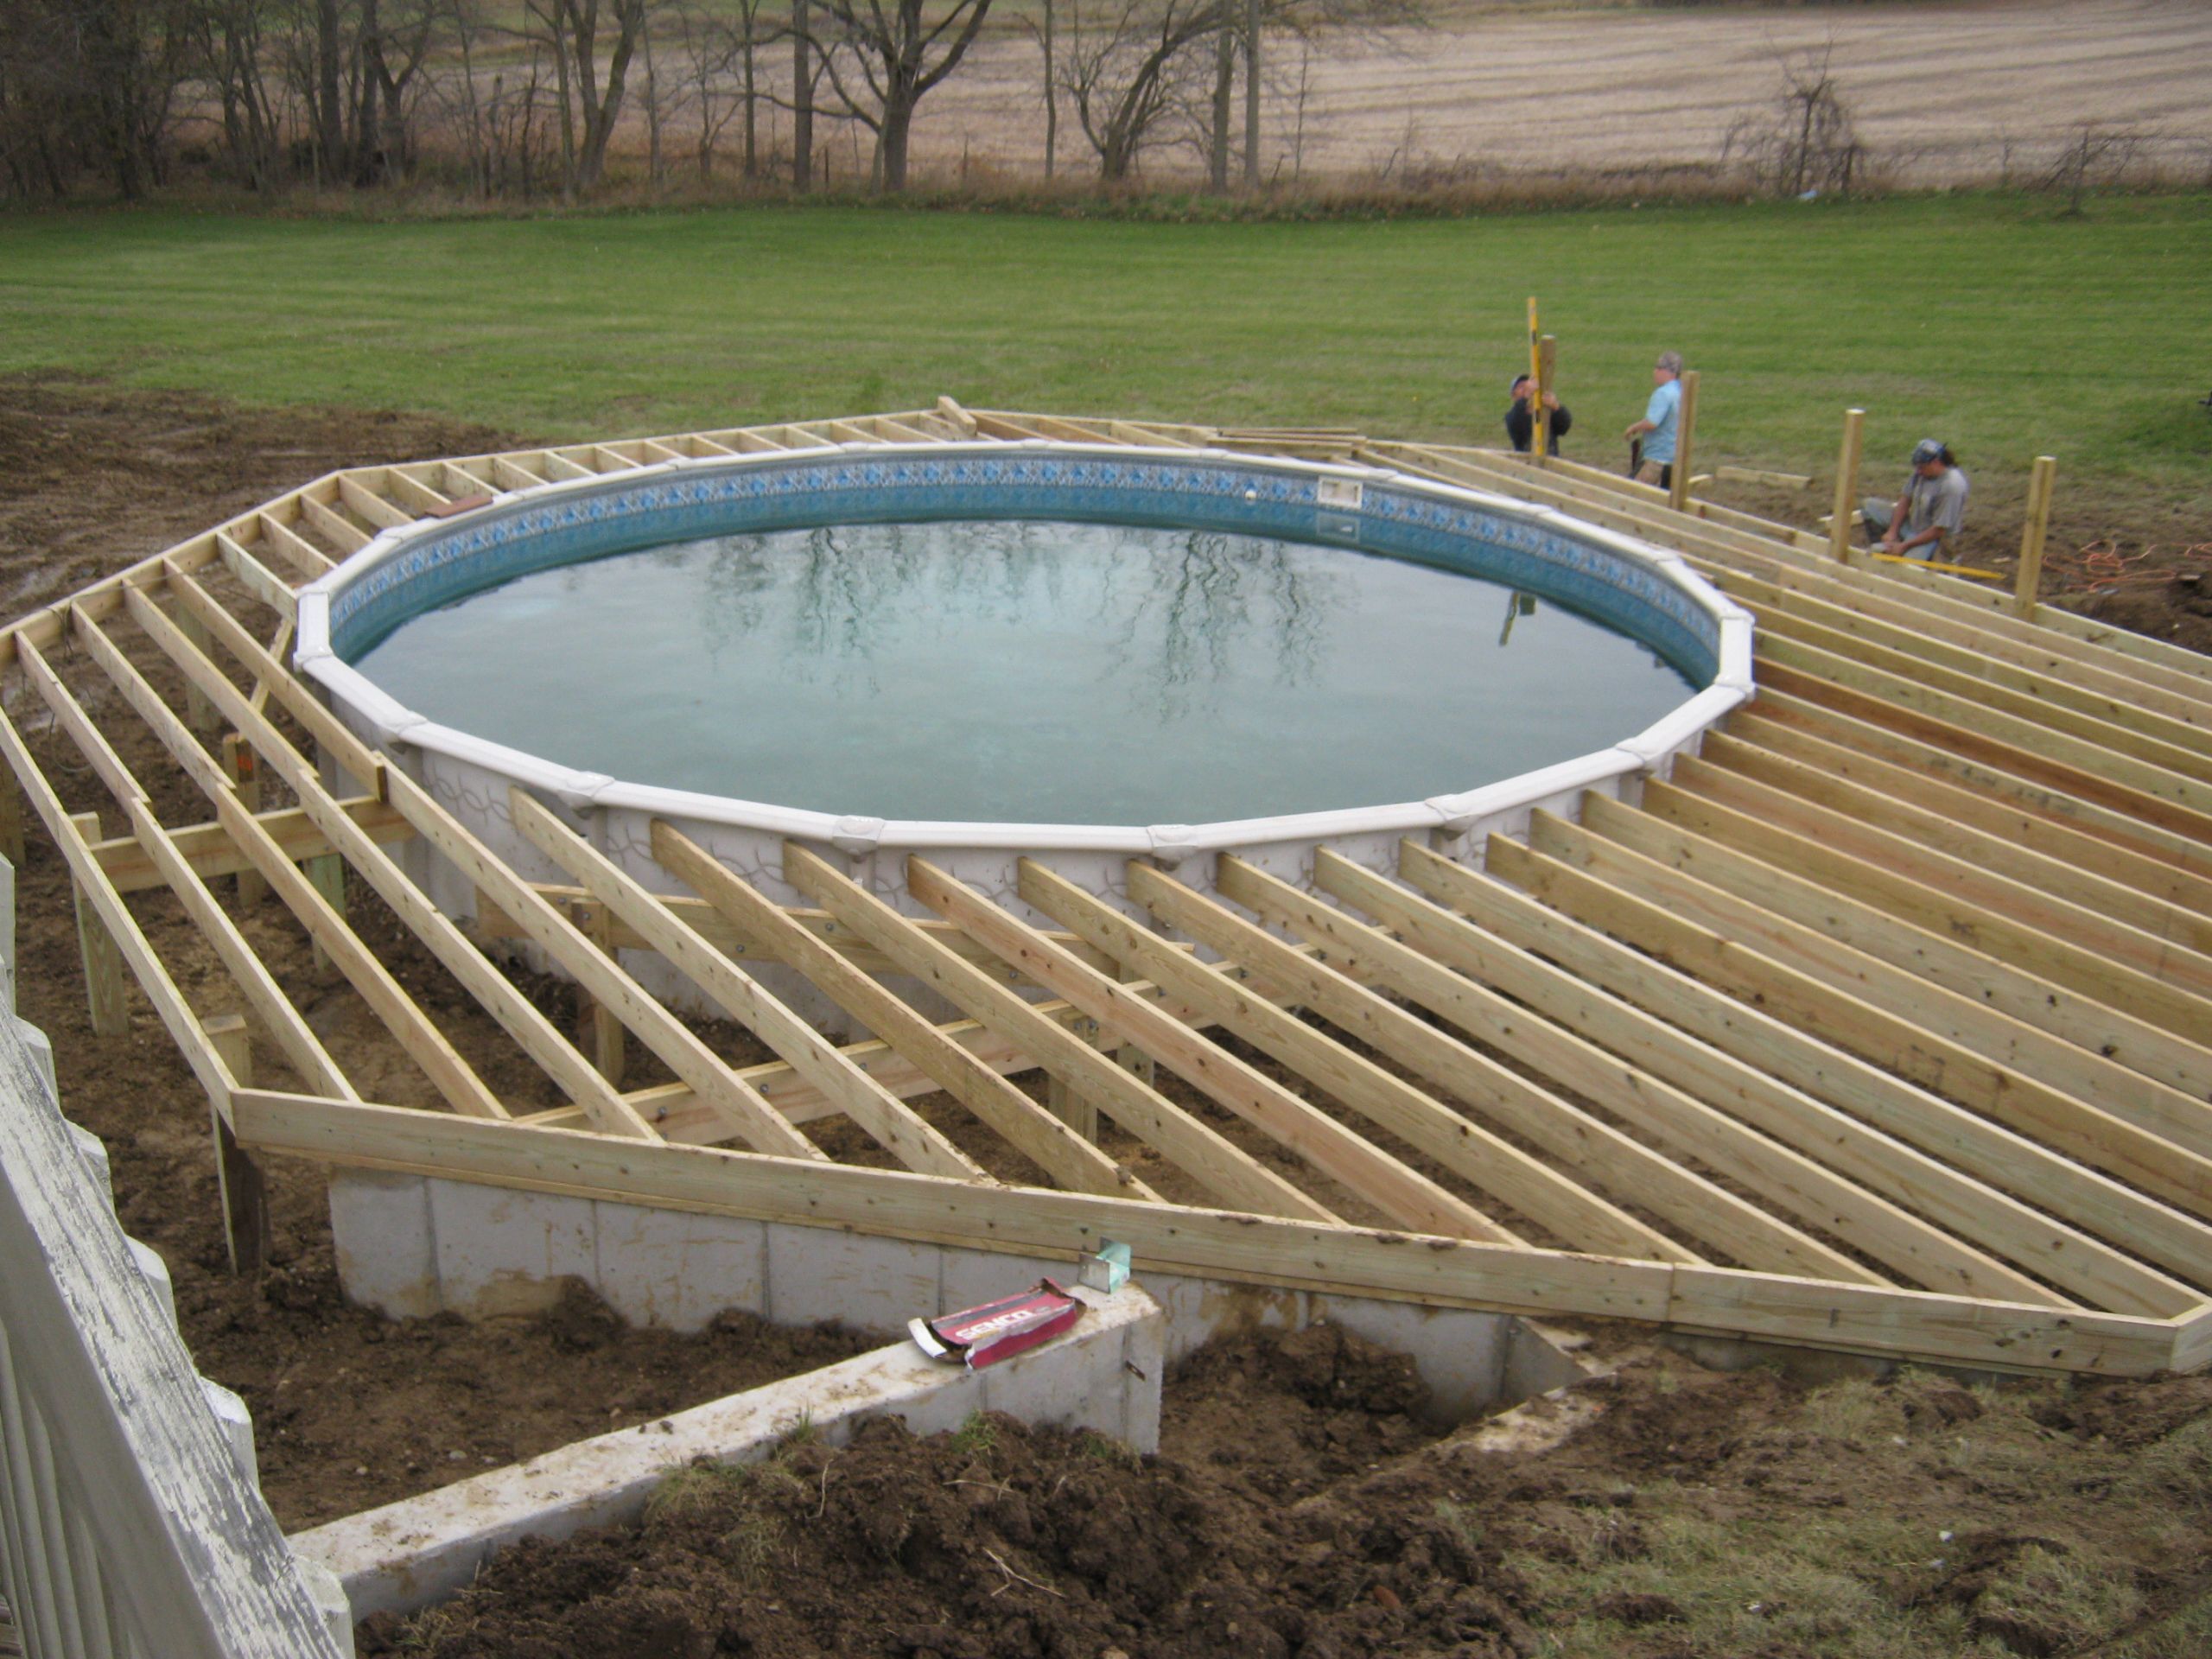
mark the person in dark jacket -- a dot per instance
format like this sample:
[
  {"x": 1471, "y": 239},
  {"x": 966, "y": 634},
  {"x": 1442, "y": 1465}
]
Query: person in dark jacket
[{"x": 1521, "y": 422}]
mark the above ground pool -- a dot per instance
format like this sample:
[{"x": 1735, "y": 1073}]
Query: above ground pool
[
  {"x": 996, "y": 669},
  {"x": 1029, "y": 646}
]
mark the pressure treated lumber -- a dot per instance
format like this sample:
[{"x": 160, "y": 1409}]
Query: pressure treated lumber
[
  {"x": 887, "y": 1120},
  {"x": 1066, "y": 1157},
  {"x": 1255, "y": 1250},
  {"x": 102, "y": 903},
  {"x": 1789, "y": 603},
  {"x": 1997, "y": 1155},
  {"x": 1699, "y": 1080},
  {"x": 284, "y": 1023},
  {"x": 1215, "y": 1164},
  {"x": 2083, "y": 1131},
  {"x": 1744, "y": 898},
  {"x": 2040, "y": 1139},
  {"x": 1885, "y": 875},
  {"x": 2079, "y": 745},
  {"x": 1404, "y": 1194},
  {"x": 211, "y": 850},
  {"x": 1977, "y": 822},
  {"x": 1423, "y": 1123},
  {"x": 1613, "y": 1160},
  {"x": 515, "y": 1014},
  {"x": 2088, "y": 804},
  {"x": 683, "y": 1052}
]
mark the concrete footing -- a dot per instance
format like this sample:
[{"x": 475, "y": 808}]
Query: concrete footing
[
  {"x": 414, "y": 1245},
  {"x": 1104, "y": 1375}
]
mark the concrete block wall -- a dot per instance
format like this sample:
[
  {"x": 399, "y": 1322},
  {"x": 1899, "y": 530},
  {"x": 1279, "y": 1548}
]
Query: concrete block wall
[
  {"x": 412, "y": 1245},
  {"x": 1104, "y": 1375}
]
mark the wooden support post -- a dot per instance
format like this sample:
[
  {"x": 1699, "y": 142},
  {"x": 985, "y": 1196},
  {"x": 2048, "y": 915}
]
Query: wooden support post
[
  {"x": 599, "y": 1033},
  {"x": 1546, "y": 365},
  {"x": 241, "y": 768},
  {"x": 1685, "y": 434},
  {"x": 11, "y": 818},
  {"x": 1846, "y": 486},
  {"x": 2031, "y": 537},
  {"x": 1131, "y": 1059},
  {"x": 327, "y": 873},
  {"x": 199, "y": 710},
  {"x": 1079, "y": 1112},
  {"x": 245, "y": 1195},
  {"x": 103, "y": 957}
]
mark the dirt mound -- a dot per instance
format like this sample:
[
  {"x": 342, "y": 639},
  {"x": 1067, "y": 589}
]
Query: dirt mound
[
  {"x": 996, "y": 1541},
  {"x": 352, "y": 1410},
  {"x": 1696, "y": 1515},
  {"x": 2129, "y": 1414}
]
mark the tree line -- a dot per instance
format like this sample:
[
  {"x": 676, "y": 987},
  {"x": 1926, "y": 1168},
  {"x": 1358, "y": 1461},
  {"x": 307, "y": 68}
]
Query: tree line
[{"x": 525, "y": 97}]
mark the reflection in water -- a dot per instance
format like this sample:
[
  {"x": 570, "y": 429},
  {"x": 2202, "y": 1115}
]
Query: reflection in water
[
  {"x": 1202, "y": 594},
  {"x": 1042, "y": 671},
  {"x": 1177, "y": 614},
  {"x": 1517, "y": 604}
]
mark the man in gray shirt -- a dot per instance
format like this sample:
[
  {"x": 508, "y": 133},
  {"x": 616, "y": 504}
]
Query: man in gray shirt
[{"x": 1922, "y": 523}]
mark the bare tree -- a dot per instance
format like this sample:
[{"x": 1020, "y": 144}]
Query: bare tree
[
  {"x": 709, "y": 48},
  {"x": 1042, "y": 29},
  {"x": 803, "y": 72},
  {"x": 1224, "y": 88},
  {"x": 881, "y": 60},
  {"x": 231, "y": 58},
  {"x": 590, "y": 94},
  {"x": 1132, "y": 64},
  {"x": 1803, "y": 141},
  {"x": 391, "y": 48},
  {"x": 1126, "y": 68},
  {"x": 2096, "y": 153}
]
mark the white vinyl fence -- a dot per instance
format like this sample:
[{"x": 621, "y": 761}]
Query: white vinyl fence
[{"x": 130, "y": 1524}]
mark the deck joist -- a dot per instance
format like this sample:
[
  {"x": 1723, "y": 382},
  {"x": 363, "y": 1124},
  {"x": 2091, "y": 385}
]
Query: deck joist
[{"x": 1883, "y": 1023}]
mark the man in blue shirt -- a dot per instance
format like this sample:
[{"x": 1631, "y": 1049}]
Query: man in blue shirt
[{"x": 1660, "y": 421}]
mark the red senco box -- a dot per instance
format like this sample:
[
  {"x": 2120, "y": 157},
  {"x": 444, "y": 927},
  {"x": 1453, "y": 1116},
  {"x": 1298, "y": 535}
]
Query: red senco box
[{"x": 977, "y": 1337}]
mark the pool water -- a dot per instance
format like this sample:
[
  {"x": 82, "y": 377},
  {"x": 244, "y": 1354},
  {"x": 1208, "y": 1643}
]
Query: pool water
[{"x": 1031, "y": 671}]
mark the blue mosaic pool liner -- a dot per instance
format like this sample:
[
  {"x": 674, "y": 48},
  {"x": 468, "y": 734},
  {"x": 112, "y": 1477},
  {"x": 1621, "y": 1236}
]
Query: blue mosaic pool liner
[{"x": 581, "y": 523}]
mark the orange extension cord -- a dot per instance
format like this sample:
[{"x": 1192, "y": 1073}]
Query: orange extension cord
[{"x": 2100, "y": 567}]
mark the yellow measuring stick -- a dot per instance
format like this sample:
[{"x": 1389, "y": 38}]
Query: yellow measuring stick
[{"x": 1973, "y": 570}]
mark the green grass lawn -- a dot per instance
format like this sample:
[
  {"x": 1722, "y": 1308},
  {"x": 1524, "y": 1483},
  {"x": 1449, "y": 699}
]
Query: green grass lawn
[{"x": 1990, "y": 320}]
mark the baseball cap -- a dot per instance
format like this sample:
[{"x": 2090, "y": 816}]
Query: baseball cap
[{"x": 1926, "y": 450}]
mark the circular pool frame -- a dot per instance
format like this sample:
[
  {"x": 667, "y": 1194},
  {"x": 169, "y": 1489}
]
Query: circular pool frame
[{"x": 1644, "y": 591}]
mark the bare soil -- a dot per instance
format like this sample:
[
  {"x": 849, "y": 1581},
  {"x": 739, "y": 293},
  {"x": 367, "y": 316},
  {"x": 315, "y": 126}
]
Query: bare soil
[{"x": 1296, "y": 1511}]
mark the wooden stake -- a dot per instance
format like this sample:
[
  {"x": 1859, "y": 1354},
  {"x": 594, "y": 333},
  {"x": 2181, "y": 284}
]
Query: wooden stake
[
  {"x": 1078, "y": 1113},
  {"x": 198, "y": 709},
  {"x": 239, "y": 765},
  {"x": 103, "y": 958},
  {"x": 327, "y": 873},
  {"x": 1685, "y": 432},
  {"x": 2031, "y": 537},
  {"x": 1547, "y": 364},
  {"x": 598, "y": 1030},
  {"x": 1538, "y": 427},
  {"x": 1846, "y": 486},
  {"x": 245, "y": 1195}
]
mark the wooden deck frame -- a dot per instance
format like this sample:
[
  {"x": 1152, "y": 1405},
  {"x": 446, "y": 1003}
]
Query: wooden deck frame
[
  {"x": 1587, "y": 875},
  {"x": 1920, "y": 760}
]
